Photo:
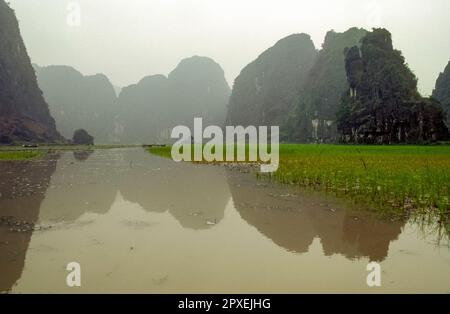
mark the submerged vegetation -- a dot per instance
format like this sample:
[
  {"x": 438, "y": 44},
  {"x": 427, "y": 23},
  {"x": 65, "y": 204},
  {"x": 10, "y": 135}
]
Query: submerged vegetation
[{"x": 404, "y": 178}]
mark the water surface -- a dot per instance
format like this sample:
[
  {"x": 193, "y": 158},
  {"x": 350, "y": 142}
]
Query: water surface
[{"x": 140, "y": 223}]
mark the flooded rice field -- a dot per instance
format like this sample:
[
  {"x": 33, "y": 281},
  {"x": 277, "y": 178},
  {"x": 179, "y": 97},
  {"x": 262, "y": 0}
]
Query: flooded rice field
[{"x": 141, "y": 223}]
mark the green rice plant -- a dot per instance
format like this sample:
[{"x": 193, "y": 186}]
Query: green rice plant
[{"x": 21, "y": 154}]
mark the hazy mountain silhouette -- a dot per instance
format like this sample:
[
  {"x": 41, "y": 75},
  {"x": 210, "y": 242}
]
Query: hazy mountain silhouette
[
  {"x": 77, "y": 101},
  {"x": 24, "y": 114},
  {"x": 264, "y": 91},
  {"x": 143, "y": 111},
  {"x": 149, "y": 109}
]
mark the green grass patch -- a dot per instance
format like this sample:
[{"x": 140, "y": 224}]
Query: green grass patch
[
  {"x": 21, "y": 154},
  {"x": 406, "y": 178},
  {"x": 162, "y": 151}
]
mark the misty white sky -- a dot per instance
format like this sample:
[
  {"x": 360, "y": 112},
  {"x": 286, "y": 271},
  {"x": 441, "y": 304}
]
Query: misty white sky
[{"x": 129, "y": 39}]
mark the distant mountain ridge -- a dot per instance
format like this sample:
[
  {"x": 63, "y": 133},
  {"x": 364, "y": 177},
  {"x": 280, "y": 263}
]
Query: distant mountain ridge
[
  {"x": 144, "y": 112},
  {"x": 24, "y": 114},
  {"x": 77, "y": 101},
  {"x": 150, "y": 109}
]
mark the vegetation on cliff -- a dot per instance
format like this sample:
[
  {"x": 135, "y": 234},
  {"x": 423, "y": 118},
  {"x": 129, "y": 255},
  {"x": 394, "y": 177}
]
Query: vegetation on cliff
[
  {"x": 314, "y": 115},
  {"x": 382, "y": 104}
]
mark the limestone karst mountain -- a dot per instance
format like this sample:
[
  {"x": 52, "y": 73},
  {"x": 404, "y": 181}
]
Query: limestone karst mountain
[
  {"x": 24, "y": 114},
  {"x": 264, "y": 91},
  {"x": 382, "y": 104},
  {"x": 142, "y": 111},
  {"x": 314, "y": 116},
  {"x": 149, "y": 109},
  {"x": 77, "y": 101},
  {"x": 442, "y": 91}
]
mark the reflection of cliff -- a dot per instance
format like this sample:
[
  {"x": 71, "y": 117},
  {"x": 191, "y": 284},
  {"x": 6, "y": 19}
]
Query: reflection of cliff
[
  {"x": 80, "y": 186},
  {"x": 292, "y": 221},
  {"x": 192, "y": 194},
  {"x": 22, "y": 189}
]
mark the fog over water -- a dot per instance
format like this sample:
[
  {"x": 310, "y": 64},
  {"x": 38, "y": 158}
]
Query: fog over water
[{"x": 127, "y": 40}]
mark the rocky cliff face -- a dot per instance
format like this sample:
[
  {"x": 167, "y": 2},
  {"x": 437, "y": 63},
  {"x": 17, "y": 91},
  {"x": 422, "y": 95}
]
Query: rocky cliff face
[
  {"x": 24, "y": 114},
  {"x": 264, "y": 91},
  {"x": 442, "y": 92},
  {"x": 314, "y": 118},
  {"x": 383, "y": 105},
  {"x": 148, "y": 110},
  {"x": 78, "y": 101}
]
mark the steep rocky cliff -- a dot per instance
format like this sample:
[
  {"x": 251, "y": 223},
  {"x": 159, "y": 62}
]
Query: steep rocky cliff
[
  {"x": 314, "y": 118},
  {"x": 264, "y": 91},
  {"x": 382, "y": 104},
  {"x": 24, "y": 114}
]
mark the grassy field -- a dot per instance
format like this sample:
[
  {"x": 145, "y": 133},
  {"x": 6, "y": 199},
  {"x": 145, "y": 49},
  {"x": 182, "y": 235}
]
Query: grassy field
[
  {"x": 24, "y": 153},
  {"x": 20, "y": 155},
  {"x": 64, "y": 147},
  {"x": 404, "y": 178}
]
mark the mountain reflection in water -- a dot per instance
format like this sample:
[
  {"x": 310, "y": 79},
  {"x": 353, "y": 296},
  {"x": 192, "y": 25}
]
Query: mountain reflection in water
[
  {"x": 292, "y": 220},
  {"x": 23, "y": 186}
]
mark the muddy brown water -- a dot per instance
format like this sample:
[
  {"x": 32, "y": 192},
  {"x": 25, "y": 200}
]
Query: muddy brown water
[{"x": 140, "y": 223}]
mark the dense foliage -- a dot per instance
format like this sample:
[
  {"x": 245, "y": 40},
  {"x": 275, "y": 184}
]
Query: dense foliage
[{"x": 382, "y": 104}]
